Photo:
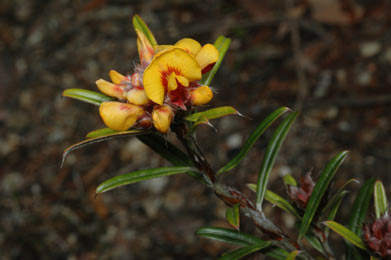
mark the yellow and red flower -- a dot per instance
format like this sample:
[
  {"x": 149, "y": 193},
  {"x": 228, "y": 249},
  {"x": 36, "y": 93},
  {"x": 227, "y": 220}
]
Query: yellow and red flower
[{"x": 165, "y": 81}]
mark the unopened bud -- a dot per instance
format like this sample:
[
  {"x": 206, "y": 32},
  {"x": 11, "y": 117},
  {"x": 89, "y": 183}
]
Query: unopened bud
[
  {"x": 119, "y": 116},
  {"x": 201, "y": 95},
  {"x": 110, "y": 89},
  {"x": 116, "y": 77},
  {"x": 137, "y": 97},
  {"x": 162, "y": 118},
  {"x": 136, "y": 80}
]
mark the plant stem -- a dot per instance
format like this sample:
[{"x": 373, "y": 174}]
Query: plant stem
[{"x": 228, "y": 195}]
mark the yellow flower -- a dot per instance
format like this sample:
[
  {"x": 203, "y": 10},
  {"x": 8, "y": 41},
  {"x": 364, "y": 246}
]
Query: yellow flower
[
  {"x": 119, "y": 116},
  {"x": 162, "y": 118},
  {"x": 145, "y": 49},
  {"x": 206, "y": 55},
  {"x": 168, "y": 75},
  {"x": 167, "y": 69},
  {"x": 201, "y": 96}
]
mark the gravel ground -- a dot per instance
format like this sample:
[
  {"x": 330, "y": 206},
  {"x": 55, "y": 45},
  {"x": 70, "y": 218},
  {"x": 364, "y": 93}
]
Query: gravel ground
[{"x": 331, "y": 60}]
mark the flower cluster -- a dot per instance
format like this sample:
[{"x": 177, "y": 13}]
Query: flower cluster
[
  {"x": 165, "y": 81},
  {"x": 301, "y": 195},
  {"x": 377, "y": 236}
]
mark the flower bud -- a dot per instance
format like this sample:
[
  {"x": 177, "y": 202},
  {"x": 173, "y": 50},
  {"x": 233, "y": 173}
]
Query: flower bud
[
  {"x": 162, "y": 118},
  {"x": 110, "y": 89},
  {"x": 136, "y": 80},
  {"x": 137, "y": 96},
  {"x": 145, "y": 49},
  {"x": 119, "y": 116},
  {"x": 377, "y": 236},
  {"x": 201, "y": 95},
  {"x": 116, "y": 77}
]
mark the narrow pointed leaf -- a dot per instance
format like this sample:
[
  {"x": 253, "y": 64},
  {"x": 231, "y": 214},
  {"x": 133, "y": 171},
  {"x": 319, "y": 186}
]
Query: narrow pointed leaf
[
  {"x": 275, "y": 252},
  {"x": 334, "y": 210},
  {"x": 277, "y": 200},
  {"x": 289, "y": 180},
  {"x": 319, "y": 190},
  {"x": 97, "y": 140},
  {"x": 253, "y": 138},
  {"x": 138, "y": 176},
  {"x": 229, "y": 236},
  {"x": 140, "y": 25},
  {"x": 100, "y": 132},
  {"x": 358, "y": 214},
  {"x": 222, "y": 45},
  {"x": 234, "y": 237},
  {"x": 270, "y": 156},
  {"x": 292, "y": 255},
  {"x": 240, "y": 252},
  {"x": 337, "y": 195},
  {"x": 334, "y": 200},
  {"x": 88, "y": 96},
  {"x": 381, "y": 203},
  {"x": 212, "y": 113},
  {"x": 233, "y": 217},
  {"x": 314, "y": 242},
  {"x": 360, "y": 207},
  {"x": 168, "y": 151},
  {"x": 345, "y": 233}
]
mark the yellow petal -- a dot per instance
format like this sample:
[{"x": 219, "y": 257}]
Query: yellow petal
[
  {"x": 116, "y": 77},
  {"x": 110, "y": 89},
  {"x": 207, "y": 55},
  {"x": 162, "y": 118},
  {"x": 145, "y": 49},
  {"x": 137, "y": 97},
  {"x": 184, "y": 82},
  {"x": 163, "y": 64},
  {"x": 171, "y": 84},
  {"x": 119, "y": 116},
  {"x": 160, "y": 48},
  {"x": 201, "y": 95},
  {"x": 189, "y": 44}
]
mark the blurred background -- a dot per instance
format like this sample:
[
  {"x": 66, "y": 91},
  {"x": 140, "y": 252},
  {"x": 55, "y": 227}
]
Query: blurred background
[{"x": 329, "y": 59}]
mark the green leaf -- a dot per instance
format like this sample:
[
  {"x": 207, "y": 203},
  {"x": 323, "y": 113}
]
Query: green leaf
[
  {"x": 337, "y": 196},
  {"x": 345, "y": 233},
  {"x": 233, "y": 216},
  {"x": 319, "y": 190},
  {"x": 97, "y": 140},
  {"x": 234, "y": 237},
  {"x": 275, "y": 252},
  {"x": 222, "y": 44},
  {"x": 292, "y": 255},
  {"x": 212, "y": 114},
  {"x": 360, "y": 207},
  {"x": 88, "y": 96},
  {"x": 140, "y": 25},
  {"x": 240, "y": 252},
  {"x": 277, "y": 200},
  {"x": 381, "y": 203},
  {"x": 100, "y": 132},
  {"x": 270, "y": 156},
  {"x": 168, "y": 151},
  {"x": 358, "y": 214},
  {"x": 138, "y": 176},
  {"x": 229, "y": 236},
  {"x": 314, "y": 242},
  {"x": 289, "y": 180},
  {"x": 253, "y": 138},
  {"x": 334, "y": 210}
]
